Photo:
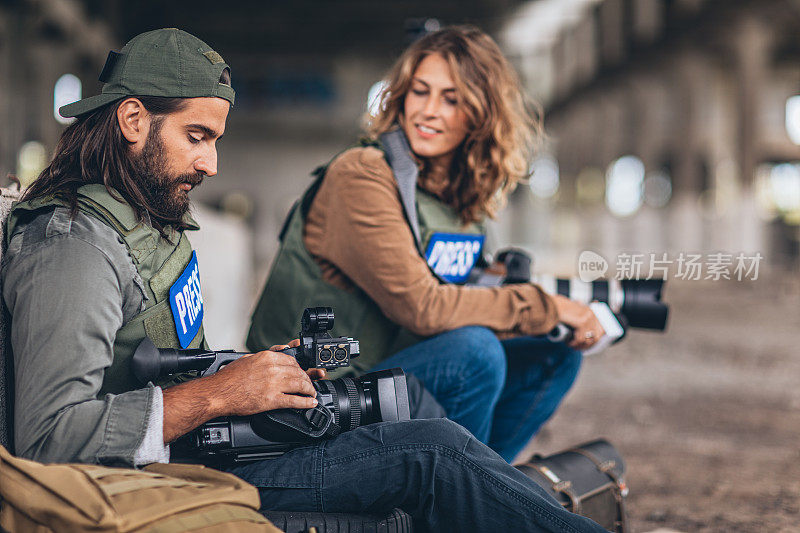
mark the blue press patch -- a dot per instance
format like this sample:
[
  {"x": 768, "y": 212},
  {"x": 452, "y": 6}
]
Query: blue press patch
[
  {"x": 186, "y": 301},
  {"x": 452, "y": 255}
]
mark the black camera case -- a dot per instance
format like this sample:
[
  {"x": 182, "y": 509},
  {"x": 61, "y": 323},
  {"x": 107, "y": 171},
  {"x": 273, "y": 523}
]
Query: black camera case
[{"x": 588, "y": 480}]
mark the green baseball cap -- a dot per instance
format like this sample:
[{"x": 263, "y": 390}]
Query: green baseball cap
[{"x": 167, "y": 62}]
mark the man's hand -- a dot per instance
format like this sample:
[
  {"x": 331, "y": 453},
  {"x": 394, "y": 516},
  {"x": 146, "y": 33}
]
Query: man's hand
[
  {"x": 252, "y": 384},
  {"x": 587, "y": 329},
  {"x": 262, "y": 382},
  {"x": 313, "y": 373}
]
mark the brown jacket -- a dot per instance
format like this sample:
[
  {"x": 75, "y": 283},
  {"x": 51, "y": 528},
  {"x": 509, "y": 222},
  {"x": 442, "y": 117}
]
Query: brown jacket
[{"x": 357, "y": 233}]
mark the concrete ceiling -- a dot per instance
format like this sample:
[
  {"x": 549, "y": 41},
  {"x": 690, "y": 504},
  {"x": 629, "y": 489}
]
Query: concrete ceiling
[{"x": 299, "y": 29}]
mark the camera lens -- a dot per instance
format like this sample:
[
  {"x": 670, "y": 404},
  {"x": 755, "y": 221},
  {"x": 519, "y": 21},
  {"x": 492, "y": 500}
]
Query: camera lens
[
  {"x": 325, "y": 355},
  {"x": 637, "y": 300},
  {"x": 340, "y": 354},
  {"x": 376, "y": 397}
]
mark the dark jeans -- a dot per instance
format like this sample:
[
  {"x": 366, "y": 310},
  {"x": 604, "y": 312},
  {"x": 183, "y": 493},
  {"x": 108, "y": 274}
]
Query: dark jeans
[
  {"x": 501, "y": 391},
  {"x": 434, "y": 470}
]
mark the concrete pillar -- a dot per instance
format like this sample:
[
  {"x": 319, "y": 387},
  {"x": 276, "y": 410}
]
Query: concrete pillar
[
  {"x": 51, "y": 60},
  {"x": 645, "y": 135},
  {"x": 561, "y": 81},
  {"x": 611, "y": 135},
  {"x": 752, "y": 43},
  {"x": 687, "y": 82},
  {"x": 13, "y": 88},
  {"x": 646, "y": 142},
  {"x": 647, "y": 20},
  {"x": 5, "y": 90},
  {"x": 585, "y": 35},
  {"x": 611, "y": 25}
]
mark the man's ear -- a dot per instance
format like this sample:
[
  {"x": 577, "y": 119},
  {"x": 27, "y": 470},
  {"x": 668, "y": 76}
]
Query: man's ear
[{"x": 134, "y": 121}]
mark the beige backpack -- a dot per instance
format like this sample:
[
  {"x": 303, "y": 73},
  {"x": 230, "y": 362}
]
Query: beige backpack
[{"x": 162, "y": 498}]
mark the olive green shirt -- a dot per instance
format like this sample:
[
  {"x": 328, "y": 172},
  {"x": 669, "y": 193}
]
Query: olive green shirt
[{"x": 70, "y": 285}]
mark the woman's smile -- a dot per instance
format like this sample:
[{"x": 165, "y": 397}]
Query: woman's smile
[
  {"x": 427, "y": 131},
  {"x": 433, "y": 119}
]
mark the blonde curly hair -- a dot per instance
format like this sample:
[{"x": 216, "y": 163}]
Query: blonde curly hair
[{"x": 503, "y": 125}]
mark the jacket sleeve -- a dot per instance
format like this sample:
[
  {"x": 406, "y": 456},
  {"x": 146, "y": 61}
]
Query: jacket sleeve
[
  {"x": 65, "y": 299},
  {"x": 357, "y": 231}
]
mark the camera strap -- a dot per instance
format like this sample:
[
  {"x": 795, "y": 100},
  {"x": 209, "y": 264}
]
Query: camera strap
[{"x": 316, "y": 422}]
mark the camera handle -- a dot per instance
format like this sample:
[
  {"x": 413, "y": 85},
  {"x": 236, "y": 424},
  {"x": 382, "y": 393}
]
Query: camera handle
[{"x": 150, "y": 363}]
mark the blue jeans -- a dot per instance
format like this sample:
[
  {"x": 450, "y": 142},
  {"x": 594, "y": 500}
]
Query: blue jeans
[
  {"x": 501, "y": 391},
  {"x": 432, "y": 469}
]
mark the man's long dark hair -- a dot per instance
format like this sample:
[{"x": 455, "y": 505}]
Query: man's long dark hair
[{"x": 93, "y": 150}]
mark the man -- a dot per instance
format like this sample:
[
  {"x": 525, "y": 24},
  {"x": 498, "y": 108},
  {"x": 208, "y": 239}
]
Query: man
[{"x": 96, "y": 248}]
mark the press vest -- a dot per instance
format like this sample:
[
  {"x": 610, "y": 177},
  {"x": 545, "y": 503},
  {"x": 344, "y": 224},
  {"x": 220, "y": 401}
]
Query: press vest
[
  {"x": 165, "y": 265},
  {"x": 295, "y": 280}
]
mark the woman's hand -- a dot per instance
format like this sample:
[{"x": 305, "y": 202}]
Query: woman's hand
[{"x": 587, "y": 329}]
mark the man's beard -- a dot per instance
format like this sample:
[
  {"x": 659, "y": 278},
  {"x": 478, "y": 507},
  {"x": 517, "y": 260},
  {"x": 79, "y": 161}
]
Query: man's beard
[{"x": 167, "y": 202}]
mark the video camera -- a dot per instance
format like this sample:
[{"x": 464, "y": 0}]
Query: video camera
[
  {"x": 343, "y": 404},
  {"x": 634, "y": 303}
]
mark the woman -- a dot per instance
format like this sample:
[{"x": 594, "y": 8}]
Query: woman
[{"x": 391, "y": 263}]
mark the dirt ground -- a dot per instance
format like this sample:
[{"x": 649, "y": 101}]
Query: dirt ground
[{"x": 707, "y": 415}]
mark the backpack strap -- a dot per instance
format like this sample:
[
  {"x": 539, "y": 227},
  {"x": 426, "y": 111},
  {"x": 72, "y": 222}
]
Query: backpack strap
[
  {"x": 605, "y": 466},
  {"x": 557, "y": 484},
  {"x": 304, "y": 203},
  {"x": 397, "y": 152},
  {"x": 406, "y": 172}
]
